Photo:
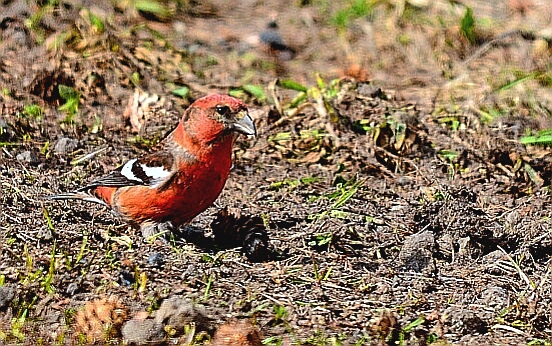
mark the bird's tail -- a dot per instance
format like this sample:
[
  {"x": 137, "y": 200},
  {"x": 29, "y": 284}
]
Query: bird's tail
[{"x": 79, "y": 195}]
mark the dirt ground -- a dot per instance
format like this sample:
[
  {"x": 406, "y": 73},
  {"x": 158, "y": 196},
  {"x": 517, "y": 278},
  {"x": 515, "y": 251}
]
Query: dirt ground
[{"x": 391, "y": 196}]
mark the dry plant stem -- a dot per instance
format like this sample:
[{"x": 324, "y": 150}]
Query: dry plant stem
[
  {"x": 275, "y": 98},
  {"x": 494, "y": 42}
]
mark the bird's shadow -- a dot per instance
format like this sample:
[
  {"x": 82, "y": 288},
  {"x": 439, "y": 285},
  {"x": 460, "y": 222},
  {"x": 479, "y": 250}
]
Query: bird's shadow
[{"x": 229, "y": 231}]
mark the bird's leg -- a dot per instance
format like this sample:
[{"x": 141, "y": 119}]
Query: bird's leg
[{"x": 156, "y": 230}]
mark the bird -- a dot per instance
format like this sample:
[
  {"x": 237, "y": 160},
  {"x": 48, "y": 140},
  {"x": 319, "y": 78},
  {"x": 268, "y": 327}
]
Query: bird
[
  {"x": 182, "y": 176},
  {"x": 273, "y": 39}
]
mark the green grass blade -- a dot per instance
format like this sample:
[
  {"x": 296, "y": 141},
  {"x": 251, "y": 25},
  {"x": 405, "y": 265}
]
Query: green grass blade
[{"x": 292, "y": 85}]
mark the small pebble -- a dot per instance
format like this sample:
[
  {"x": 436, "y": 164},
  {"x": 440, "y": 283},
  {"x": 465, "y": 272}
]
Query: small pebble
[
  {"x": 66, "y": 145},
  {"x": 143, "y": 332},
  {"x": 7, "y": 294},
  {"x": 156, "y": 260},
  {"x": 72, "y": 288},
  {"x": 27, "y": 156},
  {"x": 370, "y": 90}
]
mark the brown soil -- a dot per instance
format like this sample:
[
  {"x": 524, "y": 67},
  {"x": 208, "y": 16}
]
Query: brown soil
[{"x": 411, "y": 215}]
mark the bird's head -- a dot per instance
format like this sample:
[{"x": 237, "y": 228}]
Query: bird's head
[{"x": 215, "y": 117}]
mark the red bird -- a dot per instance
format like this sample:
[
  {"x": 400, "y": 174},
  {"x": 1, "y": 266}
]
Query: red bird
[{"x": 182, "y": 176}]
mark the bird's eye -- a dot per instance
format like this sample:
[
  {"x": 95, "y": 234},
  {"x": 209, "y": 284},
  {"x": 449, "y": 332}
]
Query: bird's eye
[{"x": 222, "y": 110}]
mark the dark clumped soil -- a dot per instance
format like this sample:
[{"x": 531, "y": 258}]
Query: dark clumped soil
[{"x": 365, "y": 212}]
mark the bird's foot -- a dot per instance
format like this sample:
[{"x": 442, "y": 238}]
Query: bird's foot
[{"x": 157, "y": 232}]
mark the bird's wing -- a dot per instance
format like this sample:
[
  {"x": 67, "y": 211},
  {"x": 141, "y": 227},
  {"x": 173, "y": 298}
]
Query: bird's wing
[
  {"x": 151, "y": 170},
  {"x": 155, "y": 170}
]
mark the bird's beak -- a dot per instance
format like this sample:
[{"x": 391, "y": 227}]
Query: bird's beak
[{"x": 244, "y": 125}]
